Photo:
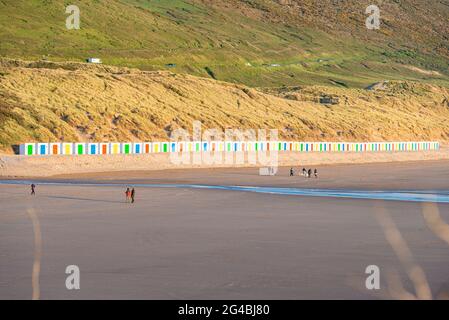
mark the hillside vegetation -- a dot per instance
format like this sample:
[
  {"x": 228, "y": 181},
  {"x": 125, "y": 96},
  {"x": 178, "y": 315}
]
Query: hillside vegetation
[
  {"x": 230, "y": 64},
  {"x": 259, "y": 43},
  {"x": 80, "y": 102}
]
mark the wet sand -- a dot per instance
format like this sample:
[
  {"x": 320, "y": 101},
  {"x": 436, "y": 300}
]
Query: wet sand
[
  {"x": 395, "y": 175},
  {"x": 212, "y": 244}
]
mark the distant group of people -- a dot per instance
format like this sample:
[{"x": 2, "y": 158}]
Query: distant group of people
[
  {"x": 306, "y": 173},
  {"x": 130, "y": 194}
]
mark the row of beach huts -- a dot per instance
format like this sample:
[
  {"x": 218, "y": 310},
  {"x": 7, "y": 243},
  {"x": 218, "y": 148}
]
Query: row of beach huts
[{"x": 94, "y": 148}]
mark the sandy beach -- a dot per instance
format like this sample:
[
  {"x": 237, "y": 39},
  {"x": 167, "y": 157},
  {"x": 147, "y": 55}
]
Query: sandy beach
[
  {"x": 46, "y": 166},
  {"x": 241, "y": 151},
  {"x": 183, "y": 243}
]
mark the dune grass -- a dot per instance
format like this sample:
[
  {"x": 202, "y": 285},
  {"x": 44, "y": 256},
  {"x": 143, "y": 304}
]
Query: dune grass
[{"x": 81, "y": 102}]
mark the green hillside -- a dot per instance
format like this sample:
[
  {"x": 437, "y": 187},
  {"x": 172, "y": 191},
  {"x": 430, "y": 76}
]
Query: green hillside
[{"x": 257, "y": 43}]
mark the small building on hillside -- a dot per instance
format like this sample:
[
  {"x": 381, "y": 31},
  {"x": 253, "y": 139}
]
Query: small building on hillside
[
  {"x": 326, "y": 99},
  {"x": 93, "y": 60}
]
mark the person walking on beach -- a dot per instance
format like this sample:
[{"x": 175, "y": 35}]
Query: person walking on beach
[
  {"x": 128, "y": 194},
  {"x": 315, "y": 172},
  {"x": 133, "y": 193},
  {"x": 33, "y": 193},
  {"x": 291, "y": 172},
  {"x": 309, "y": 173},
  {"x": 304, "y": 173}
]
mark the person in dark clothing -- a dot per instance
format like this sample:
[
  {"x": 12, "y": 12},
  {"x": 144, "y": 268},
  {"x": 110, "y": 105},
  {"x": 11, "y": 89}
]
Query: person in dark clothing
[
  {"x": 316, "y": 173},
  {"x": 309, "y": 173},
  {"x": 33, "y": 187},
  {"x": 133, "y": 194},
  {"x": 291, "y": 172}
]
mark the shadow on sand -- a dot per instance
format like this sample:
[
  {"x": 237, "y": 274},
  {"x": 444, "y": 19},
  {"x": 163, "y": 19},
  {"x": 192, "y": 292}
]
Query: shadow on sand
[{"x": 84, "y": 199}]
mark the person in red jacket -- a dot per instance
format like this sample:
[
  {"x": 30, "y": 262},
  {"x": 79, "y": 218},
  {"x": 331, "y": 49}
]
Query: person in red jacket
[{"x": 127, "y": 194}]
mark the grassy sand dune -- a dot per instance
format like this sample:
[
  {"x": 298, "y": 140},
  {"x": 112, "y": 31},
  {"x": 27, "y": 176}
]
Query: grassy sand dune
[{"x": 79, "y": 102}]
